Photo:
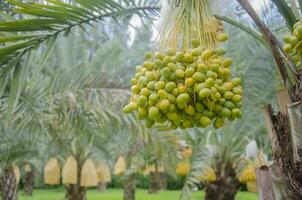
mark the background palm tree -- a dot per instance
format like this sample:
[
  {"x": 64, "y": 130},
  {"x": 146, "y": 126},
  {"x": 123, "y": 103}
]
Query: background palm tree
[
  {"x": 16, "y": 148},
  {"x": 161, "y": 156},
  {"x": 102, "y": 93},
  {"x": 61, "y": 111},
  {"x": 29, "y": 179}
]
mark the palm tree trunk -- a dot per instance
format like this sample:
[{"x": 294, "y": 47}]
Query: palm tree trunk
[
  {"x": 102, "y": 186},
  {"x": 162, "y": 181},
  {"x": 76, "y": 191},
  {"x": 9, "y": 185},
  {"x": 286, "y": 169},
  {"x": 29, "y": 183},
  {"x": 225, "y": 187},
  {"x": 129, "y": 188},
  {"x": 285, "y": 130},
  {"x": 221, "y": 190},
  {"x": 154, "y": 185}
]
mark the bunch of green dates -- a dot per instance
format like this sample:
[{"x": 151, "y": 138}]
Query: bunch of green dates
[
  {"x": 186, "y": 89},
  {"x": 293, "y": 43}
]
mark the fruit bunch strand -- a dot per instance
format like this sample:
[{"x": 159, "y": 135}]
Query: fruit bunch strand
[{"x": 190, "y": 19}]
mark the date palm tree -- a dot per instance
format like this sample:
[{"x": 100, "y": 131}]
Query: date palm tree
[
  {"x": 60, "y": 110},
  {"x": 222, "y": 149},
  {"x": 29, "y": 179},
  {"x": 161, "y": 153},
  {"x": 19, "y": 120},
  {"x": 75, "y": 126},
  {"x": 16, "y": 147},
  {"x": 86, "y": 119},
  {"x": 283, "y": 123}
]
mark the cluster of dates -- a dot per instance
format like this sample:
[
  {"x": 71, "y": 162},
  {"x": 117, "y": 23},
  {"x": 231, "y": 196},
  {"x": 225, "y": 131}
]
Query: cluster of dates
[{"x": 186, "y": 89}]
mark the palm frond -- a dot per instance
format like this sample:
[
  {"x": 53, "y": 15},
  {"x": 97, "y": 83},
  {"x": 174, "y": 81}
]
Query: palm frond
[
  {"x": 44, "y": 22},
  {"x": 16, "y": 146},
  {"x": 80, "y": 119},
  {"x": 294, "y": 7},
  {"x": 56, "y": 17},
  {"x": 286, "y": 11},
  {"x": 258, "y": 36},
  {"x": 300, "y": 5},
  {"x": 200, "y": 160}
]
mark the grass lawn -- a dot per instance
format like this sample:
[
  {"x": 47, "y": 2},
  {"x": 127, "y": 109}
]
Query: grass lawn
[{"x": 116, "y": 194}]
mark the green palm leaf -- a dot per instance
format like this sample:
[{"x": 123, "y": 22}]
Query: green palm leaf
[
  {"x": 59, "y": 17},
  {"x": 42, "y": 23},
  {"x": 286, "y": 12}
]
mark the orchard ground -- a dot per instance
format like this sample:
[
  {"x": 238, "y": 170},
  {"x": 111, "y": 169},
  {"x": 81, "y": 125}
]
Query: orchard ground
[{"x": 117, "y": 194}]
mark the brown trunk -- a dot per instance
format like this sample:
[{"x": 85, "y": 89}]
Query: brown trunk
[
  {"x": 286, "y": 145},
  {"x": 291, "y": 171},
  {"x": 286, "y": 139},
  {"x": 154, "y": 185},
  {"x": 129, "y": 188},
  {"x": 29, "y": 183},
  {"x": 264, "y": 184},
  {"x": 102, "y": 186},
  {"x": 76, "y": 191},
  {"x": 162, "y": 181},
  {"x": 225, "y": 187},
  {"x": 9, "y": 185}
]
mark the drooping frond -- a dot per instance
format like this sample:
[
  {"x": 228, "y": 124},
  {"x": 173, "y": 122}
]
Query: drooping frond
[
  {"x": 43, "y": 22},
  {"x": 200, "y": 159},
  {"x": 79, "y": 121},
  {"x": 287, "y": 12},
  {"x": 16, "y": 146}
]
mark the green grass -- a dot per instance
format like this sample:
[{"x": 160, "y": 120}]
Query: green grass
[{"x": 116, "y": 194}]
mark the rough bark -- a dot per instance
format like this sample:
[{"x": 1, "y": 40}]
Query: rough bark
[
  {"x": 102, "y": 186},
  {"x": 162, "y": 181},
  {"x": 129, "y": 187},
  {"x": 154, "y": 185},
  {"x": 76, "y": 191},
  {"x": 225, "y": 187},
  {"x": 29, "y": 182},
  {"x": 286, "y": 139},
  {"x": 264, "y": 184},
  {"x": 9, "y": 185},
  {"x": 287, "y": 167},
  {"x": 296, "y": 91},
  {"x": 285, "y": 170}
]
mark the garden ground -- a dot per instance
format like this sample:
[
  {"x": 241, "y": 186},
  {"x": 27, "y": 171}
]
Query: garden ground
[{"x": 116, "y": 194}]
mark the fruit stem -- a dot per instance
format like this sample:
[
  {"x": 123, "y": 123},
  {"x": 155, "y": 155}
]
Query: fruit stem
[{"x": 271, "y": 40}]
